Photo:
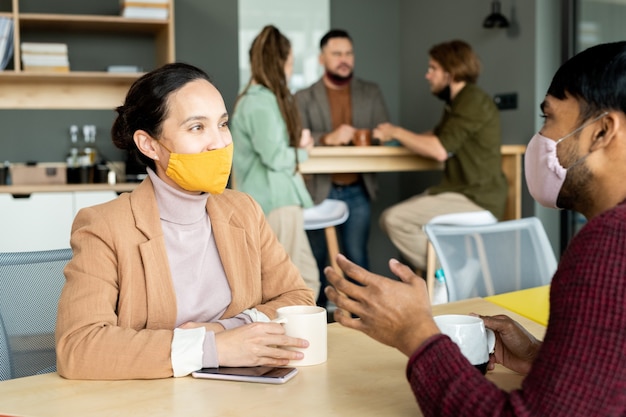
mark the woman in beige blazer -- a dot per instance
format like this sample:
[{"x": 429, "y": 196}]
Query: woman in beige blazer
[{"x": 180, "y": 274}]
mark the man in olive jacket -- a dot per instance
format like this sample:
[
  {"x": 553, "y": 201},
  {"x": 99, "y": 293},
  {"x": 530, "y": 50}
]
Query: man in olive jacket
[{"x": 467, "y": 139}]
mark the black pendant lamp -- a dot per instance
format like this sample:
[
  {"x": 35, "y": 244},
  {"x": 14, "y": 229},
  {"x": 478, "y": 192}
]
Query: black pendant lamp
[{"x": 495, "y": 19}]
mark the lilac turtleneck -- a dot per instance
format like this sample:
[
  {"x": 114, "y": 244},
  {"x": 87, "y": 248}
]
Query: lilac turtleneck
[{"x": 200, "y": 283}]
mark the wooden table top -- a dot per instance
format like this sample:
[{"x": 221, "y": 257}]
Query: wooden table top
[{"x": 361, "y": 377}]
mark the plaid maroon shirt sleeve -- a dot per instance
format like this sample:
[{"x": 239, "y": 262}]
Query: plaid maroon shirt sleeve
[{"x": 581, "y": 368}]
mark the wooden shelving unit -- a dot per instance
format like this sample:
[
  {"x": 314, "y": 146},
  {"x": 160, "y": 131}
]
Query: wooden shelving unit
[{"x": 77, "y": 89}]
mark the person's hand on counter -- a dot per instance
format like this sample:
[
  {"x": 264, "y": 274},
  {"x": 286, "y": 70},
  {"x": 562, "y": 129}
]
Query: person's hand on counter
[
  {"x": 306, "y": 140},
  {"x": 341, "y": 136},
  {"x": 384, "y": 132}
]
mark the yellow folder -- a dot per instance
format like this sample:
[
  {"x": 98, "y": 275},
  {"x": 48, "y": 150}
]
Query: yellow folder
[{"x": 532, "y": 303}]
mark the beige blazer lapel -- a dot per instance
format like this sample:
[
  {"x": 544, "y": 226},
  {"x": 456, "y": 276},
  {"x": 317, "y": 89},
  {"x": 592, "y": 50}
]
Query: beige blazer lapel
[
  {"x": 239, "y": 265},
  {"x": 161, "y": 298}
]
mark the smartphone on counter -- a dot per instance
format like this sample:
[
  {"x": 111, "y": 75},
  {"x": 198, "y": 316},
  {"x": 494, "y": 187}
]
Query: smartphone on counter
[{"x": 263, "y": 374}]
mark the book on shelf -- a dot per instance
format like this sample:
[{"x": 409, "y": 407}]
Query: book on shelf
[
  {"x": 145, "y": 9},
  {"x": 145, "y": 3},
  {"x": 43, "y": 48},
  {"x": 44, "y": 57},
  {"x": 148, "y": 4},
  {"x": 45, "y": 60},
  {"x": 6, "y": 41},
  {"x": 124, "y": 68},
  {"x": 160, "y": 13},
  {"x": 45, "y": 68}
]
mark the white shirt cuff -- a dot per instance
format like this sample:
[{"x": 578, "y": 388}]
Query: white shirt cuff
[
  {"x": 187, "y": 350},
  {"x": 256, "y": 315}
]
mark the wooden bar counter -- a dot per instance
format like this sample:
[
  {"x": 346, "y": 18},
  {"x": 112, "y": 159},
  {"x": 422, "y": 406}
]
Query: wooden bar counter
[{"x": 337, "y": 159}]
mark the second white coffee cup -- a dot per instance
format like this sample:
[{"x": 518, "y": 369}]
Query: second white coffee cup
[
  {"x": 309, "y": 323},
  {"x": 470, "y": 334}
]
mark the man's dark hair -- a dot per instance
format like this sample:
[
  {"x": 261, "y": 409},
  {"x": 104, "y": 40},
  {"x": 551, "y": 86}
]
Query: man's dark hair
[
  {"x": 596, "y": 78},
  {"x": 334, "y": 33}
]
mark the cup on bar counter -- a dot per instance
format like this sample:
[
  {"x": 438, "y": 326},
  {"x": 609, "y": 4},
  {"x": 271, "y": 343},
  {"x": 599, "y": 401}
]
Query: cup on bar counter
[{"x": 362, "y": 137}]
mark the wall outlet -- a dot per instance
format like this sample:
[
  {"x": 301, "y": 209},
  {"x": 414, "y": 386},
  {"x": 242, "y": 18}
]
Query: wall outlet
[{"x": 506, "y": 101}]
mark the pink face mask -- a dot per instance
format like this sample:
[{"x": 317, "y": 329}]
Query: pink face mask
[{"x": 544, "y": 173}]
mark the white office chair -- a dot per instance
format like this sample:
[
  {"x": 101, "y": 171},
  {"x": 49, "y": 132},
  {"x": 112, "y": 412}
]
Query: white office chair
[
  {"x": 484, "y": 260},
  {"x": 326, "y": 215},
  {"x": 470, "y": 218}
]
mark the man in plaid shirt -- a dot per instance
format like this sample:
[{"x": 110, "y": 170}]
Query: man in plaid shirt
[{"x": 577, "y": 161}]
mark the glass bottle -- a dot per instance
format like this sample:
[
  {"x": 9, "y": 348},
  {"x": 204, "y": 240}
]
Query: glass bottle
[
  {"x": 86, "y": 157},
  {"x": 72, "y": 158},
  {"x": 440, "y": 291}
]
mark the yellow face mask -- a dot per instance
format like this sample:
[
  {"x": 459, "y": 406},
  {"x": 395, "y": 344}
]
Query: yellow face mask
[{"x": 205, "y": 171}]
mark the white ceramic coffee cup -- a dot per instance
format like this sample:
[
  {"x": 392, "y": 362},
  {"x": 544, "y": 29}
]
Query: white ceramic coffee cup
[
  {"x": 470, "y": 334},
  {"x": 309, "y": 323}
]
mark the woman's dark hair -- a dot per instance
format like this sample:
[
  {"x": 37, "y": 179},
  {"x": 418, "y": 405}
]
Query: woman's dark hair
[
  {"x": 596, "y": 78},
  {"x": 145, "y": 106}
]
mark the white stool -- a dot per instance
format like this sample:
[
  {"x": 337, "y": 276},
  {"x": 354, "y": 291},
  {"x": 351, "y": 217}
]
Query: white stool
[
  {"x": 326, "y": 215},
  {"x": 469, "y": 218}
]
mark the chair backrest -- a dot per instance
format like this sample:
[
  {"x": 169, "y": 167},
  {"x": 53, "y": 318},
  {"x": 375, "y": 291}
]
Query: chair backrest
[
  {"x": 30, "y": 286},
  {"x": 480, "y": 261},
  {"x": 5, "y": 357}
]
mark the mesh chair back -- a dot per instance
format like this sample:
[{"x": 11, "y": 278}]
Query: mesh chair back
[
  {"x": 5, "y": 358},
  {"x": 30, "y": 286},
  {"x": 480, "y": 261}
]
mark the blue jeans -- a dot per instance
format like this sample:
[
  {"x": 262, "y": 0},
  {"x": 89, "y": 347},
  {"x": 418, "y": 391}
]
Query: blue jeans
[{"x": 353, "y": 235}]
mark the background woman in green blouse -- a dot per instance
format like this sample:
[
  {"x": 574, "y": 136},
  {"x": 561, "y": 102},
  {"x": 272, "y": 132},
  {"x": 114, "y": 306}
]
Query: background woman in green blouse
[{"x": 269, "y": 144}]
